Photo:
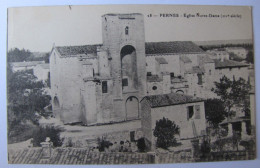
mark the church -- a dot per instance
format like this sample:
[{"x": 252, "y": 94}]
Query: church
[{"x": 105, "y": 83}]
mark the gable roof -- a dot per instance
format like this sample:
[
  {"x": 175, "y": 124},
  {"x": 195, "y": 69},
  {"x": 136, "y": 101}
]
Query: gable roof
[
  {"x": 228, "y": 64},
  {"x": 171, "y": 47},
  {"x": 185, "y": 59},
  {"x": 75, "y": 50},
  {"x": 75, "y": 156},
  {"x": 150, "y": 48},
  {"x": 161, "y": 60},
  {"x": 170, "y": 99}
]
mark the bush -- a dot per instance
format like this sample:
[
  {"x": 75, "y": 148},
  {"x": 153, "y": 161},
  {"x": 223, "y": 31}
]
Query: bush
[
  {"x": 102, "y": 144},
  {"x": 165, "y": 131},
  {"x": 42, "y": 133},
  {"x": 141, "y": 145}
]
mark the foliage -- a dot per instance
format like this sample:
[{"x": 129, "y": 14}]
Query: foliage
[
  {"x": 214, "y": 111},
  {"x": 233, "y": 93},
  {"x": 102, "y": 144},
  {"x": 17, "y": 55},
  {"x": 165, "y": 131},
  {"x": 205, "y": 147},
  {"x": 47, "y": 58},
  {"x": 250, "y": 57},
  {"x": 42, "y": 133},
  {"x": 26, "y": 99},
  {"x": 141, "y": 145}
]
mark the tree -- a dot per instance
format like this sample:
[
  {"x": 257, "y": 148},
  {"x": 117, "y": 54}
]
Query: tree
[
  {"x": 17, "y": 55},
  {"x": 26, "y": 100},
  {"x": 250, "y": 57},
  {"x": 215, "y": 111},
  {"x": 165, "y": 131},
  {"x": 233, "y": 93}
]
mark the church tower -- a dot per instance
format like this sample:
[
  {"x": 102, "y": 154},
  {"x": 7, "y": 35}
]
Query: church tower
[{"x": 123, "y": 38}]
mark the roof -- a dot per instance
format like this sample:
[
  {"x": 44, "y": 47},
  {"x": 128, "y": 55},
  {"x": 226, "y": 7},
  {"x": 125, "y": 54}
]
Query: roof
[
  {"x": 185, "y": 59},
  {"x": 75, "y": 50},
  {"x": 228, "y": 64},
  {"x": 153, "y": 78},
  {"x": 161, "y": 60},
  {"x": 75, "y": 156},
  {"x": 150, "y": 48},
  {"x": 171, "y": 47},
  {"x": 206, "y": 59},
  {"x": 196, "y": 70},
  {"x": 170, "y": 99},
  {"x": 25, "y": 64},
  {"x": 44, "y": 66}
]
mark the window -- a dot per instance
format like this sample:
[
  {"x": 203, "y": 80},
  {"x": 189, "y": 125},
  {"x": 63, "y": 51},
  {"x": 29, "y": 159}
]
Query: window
[
  {"x": 200, "y": 79},
  {"x": 125, "y": 82},
  {"x": 149, "y": 73},
  {"x": 132, "y": 136},
  {"x": 197, "y": 111},
  {"x": 172, "y": 75},
  {"x": 210, "y": 72},
  {"x": 104, "y": 87},
  {"x": 126, "y": 30},
  {"x": 190, "y": 112},
  {"x": 154, "y": 87}
]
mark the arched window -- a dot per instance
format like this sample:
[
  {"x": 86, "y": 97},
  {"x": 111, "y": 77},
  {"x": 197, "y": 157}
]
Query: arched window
[{"x": 126, "y": 30}]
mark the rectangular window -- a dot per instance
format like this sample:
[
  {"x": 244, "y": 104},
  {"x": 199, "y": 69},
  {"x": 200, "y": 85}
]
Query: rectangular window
[
  {"x": 172, "y": 75},
  {"x": 190, "y": 112},
  {"x": 125, "y": 82},
  {"x": 104, "y": 87},
  {"x": 132, "y": 136},
  {"x": 200, "y": 79},
  {"x": 149, "y": 73},
  {"x": 197, "y": 111}
]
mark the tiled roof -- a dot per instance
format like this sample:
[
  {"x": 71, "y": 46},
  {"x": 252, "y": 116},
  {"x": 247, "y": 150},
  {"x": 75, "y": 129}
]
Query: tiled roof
[
  {"x": 206, "y": 59},
  {"x": 153, "y": 78},
  {"x": 75, "y": 50},
  {"x": 170, "y": 99},
  {"x": 150, "y": 48},
  {"x": 196, "y": 70},
  {"x": 171, "y": 47},
  {"x": 161, "y": 60},
  {"x": 185, "y": 59},
  {"x": 75, "y": 156},
  {"x": 228, "y": 64}
]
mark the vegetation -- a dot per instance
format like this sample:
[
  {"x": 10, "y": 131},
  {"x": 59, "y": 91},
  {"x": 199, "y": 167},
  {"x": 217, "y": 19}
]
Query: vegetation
[
  {"x": 233, "y": 93},
  {"x": 250, "y": 57},
  {"x": 41, "y": 133},
  {"x": 102, "y": 144},
  {"x": 165, "y": 131},
  {"x": 21, "y": 55},
  {"x": 215, "y": 111},
  {"x": 26, "y": 102}
]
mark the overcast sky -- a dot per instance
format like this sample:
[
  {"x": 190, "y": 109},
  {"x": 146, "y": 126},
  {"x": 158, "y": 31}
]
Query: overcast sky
[{"x": 38, "y": 28}]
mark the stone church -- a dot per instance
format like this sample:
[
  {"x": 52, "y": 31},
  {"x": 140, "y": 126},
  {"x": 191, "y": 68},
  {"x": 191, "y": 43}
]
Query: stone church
[{"x": 104, "y": 83}]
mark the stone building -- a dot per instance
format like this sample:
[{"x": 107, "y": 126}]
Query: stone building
[
  {"x": 186, "y": 111},
  {"x": 105, "y": 83}
]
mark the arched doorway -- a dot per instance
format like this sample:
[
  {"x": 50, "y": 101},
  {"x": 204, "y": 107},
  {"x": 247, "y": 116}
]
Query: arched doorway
[
  {"x": 132, "y": 108},
  {"x": 56, "y": 107},
  {"x": 128, "y": 68}
]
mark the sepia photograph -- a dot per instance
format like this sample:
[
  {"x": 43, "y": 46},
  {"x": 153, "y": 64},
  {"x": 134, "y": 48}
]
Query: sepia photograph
[{"x": 130, "y": 84}]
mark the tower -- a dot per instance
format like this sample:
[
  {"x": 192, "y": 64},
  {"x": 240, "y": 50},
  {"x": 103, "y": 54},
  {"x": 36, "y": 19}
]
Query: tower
[{"x": 123, "y": 38}]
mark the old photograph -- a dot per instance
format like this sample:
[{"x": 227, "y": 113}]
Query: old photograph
[{"x": 130, "y": 84}]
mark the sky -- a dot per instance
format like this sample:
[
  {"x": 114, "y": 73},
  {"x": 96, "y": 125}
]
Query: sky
[{"x": 39, "y": 28}]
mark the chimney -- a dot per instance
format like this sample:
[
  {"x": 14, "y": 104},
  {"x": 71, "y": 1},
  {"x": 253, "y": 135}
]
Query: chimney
[{"x": 46, "y": 148}]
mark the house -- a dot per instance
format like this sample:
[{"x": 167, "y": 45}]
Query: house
[{"x": 186, "y": 111}]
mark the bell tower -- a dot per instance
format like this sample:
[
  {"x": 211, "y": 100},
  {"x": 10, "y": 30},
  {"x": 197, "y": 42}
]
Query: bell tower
[{"x": 123, "y": 38}]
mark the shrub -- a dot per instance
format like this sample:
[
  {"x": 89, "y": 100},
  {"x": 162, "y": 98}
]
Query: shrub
[
  {"x": 42, "y": 133},
  {"x": 165, "y": 131},
  {"x": 141, "y": 145},
  {"x": 102, "y": 144}
]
